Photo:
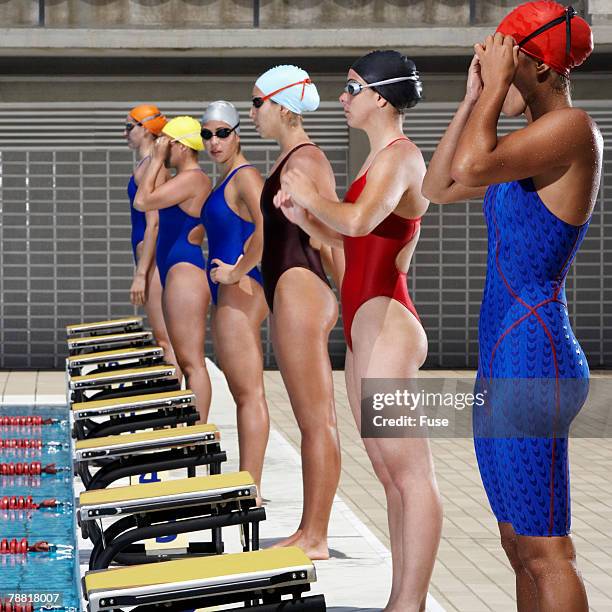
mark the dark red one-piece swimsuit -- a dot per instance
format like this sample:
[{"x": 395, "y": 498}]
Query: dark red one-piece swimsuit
[{"x": 370, "y": 262}]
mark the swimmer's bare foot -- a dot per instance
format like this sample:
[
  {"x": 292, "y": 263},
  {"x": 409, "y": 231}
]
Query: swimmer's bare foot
[
  {"x": 287, "y": 541},
  {"x": 405, "y": 605},
  {"x": 316, "y": 550}
]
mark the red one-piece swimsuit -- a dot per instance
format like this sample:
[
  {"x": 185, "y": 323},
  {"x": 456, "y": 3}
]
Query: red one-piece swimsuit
[{"x": 370, "y": 262}]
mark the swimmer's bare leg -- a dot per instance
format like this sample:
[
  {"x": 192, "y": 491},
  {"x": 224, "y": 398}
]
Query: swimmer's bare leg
[{"x": 305, "y": 312}]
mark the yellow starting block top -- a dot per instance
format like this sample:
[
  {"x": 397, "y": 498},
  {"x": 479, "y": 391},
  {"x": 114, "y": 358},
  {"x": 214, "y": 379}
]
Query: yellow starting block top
[
  {"x": 169, "y": 488},
  {"x": 124, "y": 375},
  {"x": 117, "y": 354},
  {"x": 159, "y": 437},
  {"x": 224, "y": 568},
  {"x": 120, "y": 405},
  {"x": 79, "y": 328},
  {"x": 74, "y": 343}
]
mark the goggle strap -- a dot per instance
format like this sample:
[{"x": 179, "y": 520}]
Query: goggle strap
[
  {"x": 179, "y": 138},
  {"x": 302, "y": 83},
  {"x": 412, "y": 77},
  {"x": 570, "y": 12},
  {"x": 145, "y": 119}
]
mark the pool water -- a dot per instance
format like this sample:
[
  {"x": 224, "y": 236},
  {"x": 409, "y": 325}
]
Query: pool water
[{"x": 48, "y": 579}]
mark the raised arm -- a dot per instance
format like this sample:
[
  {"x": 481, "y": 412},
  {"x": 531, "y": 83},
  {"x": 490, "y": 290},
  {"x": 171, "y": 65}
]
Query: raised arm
[
  {"x": 484, "y": 159},
  {"x": 154, "y": 193},
  {"x": 439, "y": 186}
]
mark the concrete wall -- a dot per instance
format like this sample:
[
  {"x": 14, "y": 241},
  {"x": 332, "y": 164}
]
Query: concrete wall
[
  {"x": 273, "y": 13},
  {"x": 352, "y": 13},
  {"x": 437, "y": 87},
  {"x": 18, "y": 13},
  {"x": 149, "y": 13}
]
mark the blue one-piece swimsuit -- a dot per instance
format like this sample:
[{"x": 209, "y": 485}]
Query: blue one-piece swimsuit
[
  {"x": 226, "y": 231},
  {"x": 139, "y": 222},
  {"x": 531, "y": 366},
  {"x": 173, "y": 244}
]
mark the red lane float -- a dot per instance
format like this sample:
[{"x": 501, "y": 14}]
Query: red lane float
[
  {"x": 34, "y": 468},
  {"x": 25, "y": 421},
  {"x": 11, "y": 443},
  {"x": 22, "y": 547},
  {"x": 9, "y": 606},
  {"x": 26, "y": 503}
]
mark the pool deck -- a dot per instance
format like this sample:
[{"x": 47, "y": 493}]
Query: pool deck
[{"x": 471, "y": 574}]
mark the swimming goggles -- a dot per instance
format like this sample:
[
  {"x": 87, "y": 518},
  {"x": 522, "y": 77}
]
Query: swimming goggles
[
  {"x": 259, "y": 100},
  {"x": 567, "y": 18},
  {"x": 220, "y": 133},
  {"x": 354, "y": 88},
  {"x": 130, "y": 126}
]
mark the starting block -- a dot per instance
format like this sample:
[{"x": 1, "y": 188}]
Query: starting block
[
  {"x": 125, "y": 324},
  {"x": 168, "y": 508},
  {"x": 122, "y": 382},
  {"x": 105, "y": 417},
  {"x": 148, "y": 451},
  {"x": 272, "y": 580},
  {"x": 106, "y": 342},
  {"x": 107, "y": 360}
]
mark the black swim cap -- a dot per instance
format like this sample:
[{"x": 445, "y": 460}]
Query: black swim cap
[{"x": 382, "y": 65}]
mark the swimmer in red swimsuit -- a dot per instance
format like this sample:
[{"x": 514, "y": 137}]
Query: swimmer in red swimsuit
[{"x": 380, "y": 225}]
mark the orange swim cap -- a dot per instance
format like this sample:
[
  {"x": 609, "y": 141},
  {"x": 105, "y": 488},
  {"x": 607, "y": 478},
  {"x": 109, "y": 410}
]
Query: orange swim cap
[
  {"x": 150, "y": 117},
  {"x": 550, "y": 32}
]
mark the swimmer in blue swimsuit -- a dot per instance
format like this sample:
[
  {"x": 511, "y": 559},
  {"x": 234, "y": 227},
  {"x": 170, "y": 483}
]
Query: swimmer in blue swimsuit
[
  {"x": 234, "y": 229},
  {"x": 539, "y": 185},
  {"x": 143, "y": 125},
  {"x": 179, "y": 256}
]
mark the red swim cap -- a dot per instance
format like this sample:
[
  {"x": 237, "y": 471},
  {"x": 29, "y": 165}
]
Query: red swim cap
[{"x": 550, "y": 32}]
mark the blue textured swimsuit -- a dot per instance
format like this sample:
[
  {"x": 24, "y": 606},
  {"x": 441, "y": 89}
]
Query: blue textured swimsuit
[
  {"x": 173, "y": 245},
  {"x": 139, "y": 222},
  {"x": 531, "y": 366},
  {"x": 226, "y": 231}
]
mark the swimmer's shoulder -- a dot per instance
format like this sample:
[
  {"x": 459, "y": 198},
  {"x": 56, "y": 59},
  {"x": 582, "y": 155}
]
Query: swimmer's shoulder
[
  {"x": 575, "y": 122},
  {"x": 401, "y": 154},
  {"x": 306, "y": 156}
]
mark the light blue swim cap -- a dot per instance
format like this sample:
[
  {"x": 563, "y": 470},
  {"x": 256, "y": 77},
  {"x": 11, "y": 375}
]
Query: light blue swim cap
[{"x": 290, "y": 87}]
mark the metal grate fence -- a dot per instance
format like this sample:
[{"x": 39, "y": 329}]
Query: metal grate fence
[{"x": 64, "y": 229}]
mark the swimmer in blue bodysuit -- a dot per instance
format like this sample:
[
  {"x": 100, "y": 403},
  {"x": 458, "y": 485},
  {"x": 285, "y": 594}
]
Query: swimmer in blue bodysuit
[
  {"x": 144, "y": 124},
  {"x": 179, "y": 253},
  {"x": 233, "y": 223},
  {"x": 542, "y": 186}
]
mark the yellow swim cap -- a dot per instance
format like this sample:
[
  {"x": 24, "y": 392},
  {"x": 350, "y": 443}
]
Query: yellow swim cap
[{"x": 185, "y": 130}]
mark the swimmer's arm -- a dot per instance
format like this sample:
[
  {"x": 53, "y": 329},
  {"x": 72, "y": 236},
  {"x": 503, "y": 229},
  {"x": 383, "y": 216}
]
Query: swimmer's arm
[
  {"x": 384, "y": 188},
  {"x": 439, "y": 186},
  {"x": 320, "y": 176},
  {"x": 176, "y": 190},
  {"x": 149, "y": 241},
  {"x": 249, "y": 185},
  {"x": 147, "y": 257},
  {"x": 321, "y": 232},
  {"x": 556, "y": 140},
  {"x": 333, "y": 261}
]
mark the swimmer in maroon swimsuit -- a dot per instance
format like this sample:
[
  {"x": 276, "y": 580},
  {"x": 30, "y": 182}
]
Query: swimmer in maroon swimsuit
[
  {"x": 303, "y": 309},
  {"x": 380, "y": 225}
]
